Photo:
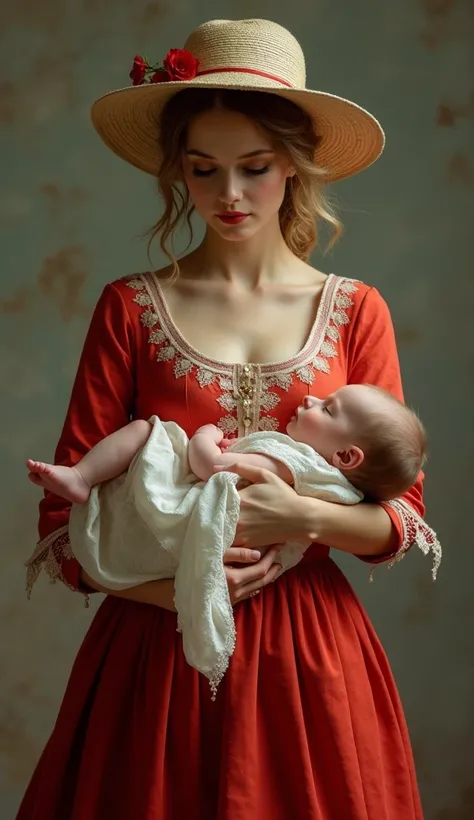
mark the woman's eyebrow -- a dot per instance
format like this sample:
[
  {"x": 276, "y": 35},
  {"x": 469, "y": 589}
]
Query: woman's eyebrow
[{"x": 258, "y": 152}]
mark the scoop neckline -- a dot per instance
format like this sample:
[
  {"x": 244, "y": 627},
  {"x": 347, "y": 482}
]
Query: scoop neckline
[{"x": 306, "y": 353}]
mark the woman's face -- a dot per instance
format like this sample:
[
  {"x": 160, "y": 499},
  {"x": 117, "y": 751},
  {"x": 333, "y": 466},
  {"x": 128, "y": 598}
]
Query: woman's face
[{"x": 235, "y": 177}]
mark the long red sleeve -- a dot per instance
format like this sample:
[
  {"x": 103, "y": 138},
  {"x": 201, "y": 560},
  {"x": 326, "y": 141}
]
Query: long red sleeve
[
  {"x": 101, "y": 402},
  {"x": 373, "y": 359}
]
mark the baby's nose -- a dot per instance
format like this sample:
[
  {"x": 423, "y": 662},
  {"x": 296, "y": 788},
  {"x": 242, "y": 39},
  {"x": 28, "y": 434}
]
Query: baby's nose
[{"x": 309, "y": 401}]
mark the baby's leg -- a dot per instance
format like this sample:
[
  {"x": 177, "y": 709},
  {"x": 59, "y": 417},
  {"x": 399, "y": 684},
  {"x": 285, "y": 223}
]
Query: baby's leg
[{"x": 108, "y": 459}]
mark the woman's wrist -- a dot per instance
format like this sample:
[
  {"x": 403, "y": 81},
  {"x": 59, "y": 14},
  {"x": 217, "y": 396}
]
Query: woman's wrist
[
  {"x": 360, "y": 529},
  {"x": 315, "y": 519}
]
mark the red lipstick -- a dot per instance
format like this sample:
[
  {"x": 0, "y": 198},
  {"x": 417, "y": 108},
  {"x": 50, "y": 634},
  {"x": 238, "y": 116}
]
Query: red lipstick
[{"x": 233, "y": 218}]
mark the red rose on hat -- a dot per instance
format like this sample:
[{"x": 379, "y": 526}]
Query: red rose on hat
[
  {"x": 180, "y": 64},
  {"x": 137, "y": 74},
  {"x": 160, "y": 76}
]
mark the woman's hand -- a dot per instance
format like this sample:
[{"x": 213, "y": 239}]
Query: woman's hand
[
  {"x": 270, "y": 510},
  {"x": 246, "y": 581}
]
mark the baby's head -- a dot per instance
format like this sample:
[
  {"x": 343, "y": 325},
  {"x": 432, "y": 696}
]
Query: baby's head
[{"x": 370, "y": 436}]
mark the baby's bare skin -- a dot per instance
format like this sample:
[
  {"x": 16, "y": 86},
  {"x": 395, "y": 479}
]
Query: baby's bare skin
[
  {"x": 207, "y": 455},
  {"x": 113, "y": 455},
  {"x": 108, "y": 459},
  {"x": 67, "y": 482}
]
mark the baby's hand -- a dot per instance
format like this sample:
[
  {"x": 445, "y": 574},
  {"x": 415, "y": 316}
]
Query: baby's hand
[{"x": 225, "y": 443}]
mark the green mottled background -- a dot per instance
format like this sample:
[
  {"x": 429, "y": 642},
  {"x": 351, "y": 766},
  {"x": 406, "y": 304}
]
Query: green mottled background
[{"x": 70, "y": 218}]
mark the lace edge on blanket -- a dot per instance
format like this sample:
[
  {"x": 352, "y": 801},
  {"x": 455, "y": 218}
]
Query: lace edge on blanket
[
  {"x": 48, "y": 555},
  {"x": 416, "y": 532},
  {"x": 217, "y": 597},
  {"x": 220, "y": 667}
]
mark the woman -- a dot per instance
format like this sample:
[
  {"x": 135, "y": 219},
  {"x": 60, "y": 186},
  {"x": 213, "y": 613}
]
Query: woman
[{"x": 307, "y": 721}]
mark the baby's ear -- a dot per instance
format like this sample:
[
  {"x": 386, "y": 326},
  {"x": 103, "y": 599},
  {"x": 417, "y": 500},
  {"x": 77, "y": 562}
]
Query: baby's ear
[{"x": 348, "y": 459}]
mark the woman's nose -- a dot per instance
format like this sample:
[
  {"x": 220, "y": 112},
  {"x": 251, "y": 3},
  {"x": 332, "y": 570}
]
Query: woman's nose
[{"x": 231, "y": 191}]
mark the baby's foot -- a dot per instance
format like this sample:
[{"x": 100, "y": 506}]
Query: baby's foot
[{"x": 66, "y": 482}]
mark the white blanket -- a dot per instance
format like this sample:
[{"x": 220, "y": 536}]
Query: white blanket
[{"x": 159, "y": 521}]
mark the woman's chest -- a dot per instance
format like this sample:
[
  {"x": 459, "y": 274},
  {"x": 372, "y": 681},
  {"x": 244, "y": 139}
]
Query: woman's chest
[
  {"x": 178, "y": 382},
  {"x": 248, "y": 327}
]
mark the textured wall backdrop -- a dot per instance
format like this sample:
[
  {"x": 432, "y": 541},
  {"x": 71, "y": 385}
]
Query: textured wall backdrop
[{"x": 70, "y": 218}]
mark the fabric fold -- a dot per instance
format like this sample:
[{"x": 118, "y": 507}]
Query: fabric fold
[{"x": 159, "y": 521}]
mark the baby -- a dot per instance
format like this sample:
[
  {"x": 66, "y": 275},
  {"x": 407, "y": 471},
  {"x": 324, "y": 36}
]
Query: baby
[
  {"x": 366, "y": 433},
  {"x": 157, "y": 519}
]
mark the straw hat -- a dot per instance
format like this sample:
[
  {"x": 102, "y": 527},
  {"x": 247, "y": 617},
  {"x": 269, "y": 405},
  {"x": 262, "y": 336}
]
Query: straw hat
[{"x": 255, "y": 55}]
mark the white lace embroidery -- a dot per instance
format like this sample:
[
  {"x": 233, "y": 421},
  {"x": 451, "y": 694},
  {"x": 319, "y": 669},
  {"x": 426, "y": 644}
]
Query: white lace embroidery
[
  {"x": 336, "y": 319},
  {"x": 247, "y": 397},
  {"x": 48, "y": 555},
  {"x": 416, "y": 532}
]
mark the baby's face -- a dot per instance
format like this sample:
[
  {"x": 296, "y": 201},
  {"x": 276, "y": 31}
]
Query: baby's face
[{"x": 332, "y": 424}]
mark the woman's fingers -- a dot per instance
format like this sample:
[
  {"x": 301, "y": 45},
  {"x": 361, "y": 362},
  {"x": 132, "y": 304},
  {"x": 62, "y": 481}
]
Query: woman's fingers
[
  {"x": 244, "y": 580},
  {"x": 251, "y": 473},
  {"x": 245, "y": 555},
  {"x": 245, "y": 574},
  {"x": 255, "y": 587},
  {"x": 241, "y": 555}
]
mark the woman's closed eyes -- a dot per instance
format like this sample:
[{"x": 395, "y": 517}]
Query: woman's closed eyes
[{"x": 199, "y": 172}]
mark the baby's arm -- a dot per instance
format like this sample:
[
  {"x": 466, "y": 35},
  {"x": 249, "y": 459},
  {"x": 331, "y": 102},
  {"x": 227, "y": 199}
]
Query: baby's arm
[
  {"x": 108, "y": 459},
  {"x": 204, "y": 451},
  {"x": 205, "y": 454}
]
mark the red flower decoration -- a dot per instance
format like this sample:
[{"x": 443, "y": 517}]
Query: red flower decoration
[
  {"x": 180, "y": 64},
  {"x": 139, "y": 70},
  {"x": 160, "y": 77}
]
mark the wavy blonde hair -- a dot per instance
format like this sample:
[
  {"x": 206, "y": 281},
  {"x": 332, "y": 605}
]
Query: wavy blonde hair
[{"x": 290, "y": 130}]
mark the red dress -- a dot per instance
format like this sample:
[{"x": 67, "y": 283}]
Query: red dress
[{"x": 307, "y": 722}]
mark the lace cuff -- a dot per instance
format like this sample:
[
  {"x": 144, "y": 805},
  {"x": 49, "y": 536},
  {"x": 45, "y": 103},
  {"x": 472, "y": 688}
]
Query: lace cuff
[
  {"x": 50, "y": 553},
  {"x": 415, "y": 532}
]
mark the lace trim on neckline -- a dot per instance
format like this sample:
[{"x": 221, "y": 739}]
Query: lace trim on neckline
[
  {"x": 246, "y": 390},
  {"x": 317, "y": 351}
]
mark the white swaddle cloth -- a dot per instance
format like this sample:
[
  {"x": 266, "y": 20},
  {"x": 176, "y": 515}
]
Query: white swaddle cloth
[{"x": 159, "y": 521}]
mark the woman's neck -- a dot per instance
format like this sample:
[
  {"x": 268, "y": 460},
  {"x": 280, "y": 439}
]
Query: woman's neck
[{"x": 263, "y": 258}]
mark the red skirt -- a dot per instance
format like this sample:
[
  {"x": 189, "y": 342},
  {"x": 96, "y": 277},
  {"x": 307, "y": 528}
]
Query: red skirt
[{"x": 307, "y": 723}]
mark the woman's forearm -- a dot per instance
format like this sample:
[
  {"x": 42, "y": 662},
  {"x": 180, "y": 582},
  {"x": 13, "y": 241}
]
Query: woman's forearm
[
  {"x": 361, "y": 529},
  {"x": 157, "y": 593}
]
